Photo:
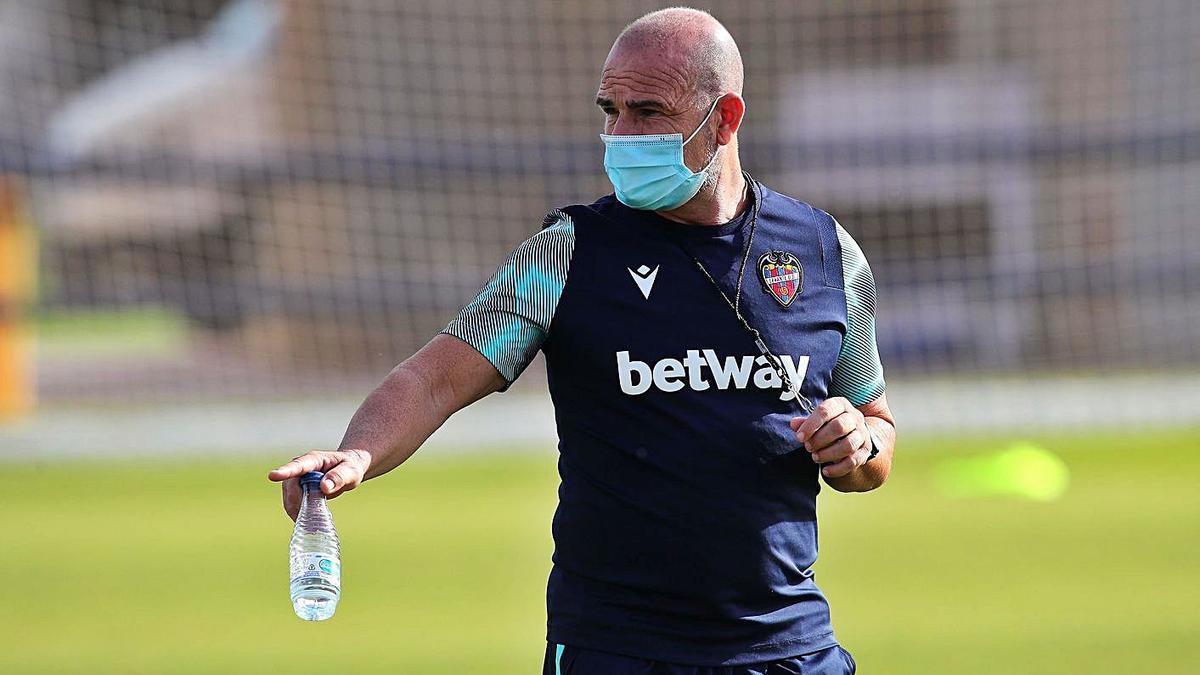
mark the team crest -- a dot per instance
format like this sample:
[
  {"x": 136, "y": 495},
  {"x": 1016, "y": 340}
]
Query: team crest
[{"x": 782, "y": 276}]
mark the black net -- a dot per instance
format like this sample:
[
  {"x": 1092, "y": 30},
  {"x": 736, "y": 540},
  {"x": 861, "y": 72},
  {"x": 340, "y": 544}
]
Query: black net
[{"x": 289, "y": 196}]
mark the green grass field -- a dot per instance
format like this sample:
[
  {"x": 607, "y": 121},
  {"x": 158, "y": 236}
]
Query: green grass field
[{"x": 180, "y": 567}]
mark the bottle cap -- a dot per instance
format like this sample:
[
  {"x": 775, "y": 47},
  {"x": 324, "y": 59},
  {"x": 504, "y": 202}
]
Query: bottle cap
[{"x": 311, "y": 478}]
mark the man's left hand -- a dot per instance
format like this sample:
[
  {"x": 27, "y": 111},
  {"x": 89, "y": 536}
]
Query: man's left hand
[{"x": 836, "y": 436}]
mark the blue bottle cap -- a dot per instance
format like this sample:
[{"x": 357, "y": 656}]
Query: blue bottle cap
[{"x": 311, "y": 478}]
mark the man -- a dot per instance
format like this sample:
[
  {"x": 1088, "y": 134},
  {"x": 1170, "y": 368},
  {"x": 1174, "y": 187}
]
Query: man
[{"x": 690, "y": 323}]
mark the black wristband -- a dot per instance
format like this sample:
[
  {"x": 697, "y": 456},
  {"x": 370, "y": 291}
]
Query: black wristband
[{"x": 874, "y": 447}]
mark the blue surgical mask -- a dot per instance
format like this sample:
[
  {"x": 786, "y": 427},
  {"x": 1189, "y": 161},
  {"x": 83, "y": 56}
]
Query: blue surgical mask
[{"x": 647, "y": 170}]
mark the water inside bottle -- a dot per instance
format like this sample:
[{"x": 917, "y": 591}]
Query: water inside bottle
[{"x": 315, "y": 557}]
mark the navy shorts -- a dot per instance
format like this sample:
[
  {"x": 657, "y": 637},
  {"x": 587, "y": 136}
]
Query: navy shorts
[{"x": 568, "y": 660}]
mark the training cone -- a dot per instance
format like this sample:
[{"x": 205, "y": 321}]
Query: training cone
[{"x": 1021, "y": 471}]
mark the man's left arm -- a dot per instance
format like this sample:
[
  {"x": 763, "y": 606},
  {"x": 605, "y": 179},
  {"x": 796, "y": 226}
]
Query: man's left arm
[
  {"x": 852, "y": 434},
  {"x": 842, "y": 438}
]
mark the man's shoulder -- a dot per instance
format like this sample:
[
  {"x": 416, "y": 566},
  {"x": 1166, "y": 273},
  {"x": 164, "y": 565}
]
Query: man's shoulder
[
  {"x": 606, "y": 204},
  {"x": 793, "y": 206},
  {"x": 606, "y": 208}
]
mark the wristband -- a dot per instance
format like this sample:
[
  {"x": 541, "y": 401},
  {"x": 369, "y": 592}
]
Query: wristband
[{"x": 874, "y": 446}]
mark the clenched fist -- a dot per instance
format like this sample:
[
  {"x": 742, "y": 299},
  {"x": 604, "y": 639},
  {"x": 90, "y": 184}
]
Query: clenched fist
[{"x": 836, "y": 436}]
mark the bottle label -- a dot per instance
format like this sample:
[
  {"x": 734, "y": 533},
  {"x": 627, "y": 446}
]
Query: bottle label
[{"x": 319, "y": 566}]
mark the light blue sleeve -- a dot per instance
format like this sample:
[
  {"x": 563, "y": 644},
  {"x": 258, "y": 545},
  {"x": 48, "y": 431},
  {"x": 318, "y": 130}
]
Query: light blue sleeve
[
  {"x": 509, "y": 319},
  {"x": 858, "y": 374}
]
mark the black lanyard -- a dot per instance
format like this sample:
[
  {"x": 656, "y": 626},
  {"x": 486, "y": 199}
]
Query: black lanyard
[{"x": 736, "y": 303}]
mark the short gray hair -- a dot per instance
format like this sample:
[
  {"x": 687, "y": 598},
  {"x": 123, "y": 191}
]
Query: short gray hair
[{"x": 713, "y": 53}]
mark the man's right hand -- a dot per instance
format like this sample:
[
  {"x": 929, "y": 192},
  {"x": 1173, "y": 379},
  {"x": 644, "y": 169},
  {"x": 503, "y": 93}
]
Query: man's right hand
[{"x": 343, "y": 469}]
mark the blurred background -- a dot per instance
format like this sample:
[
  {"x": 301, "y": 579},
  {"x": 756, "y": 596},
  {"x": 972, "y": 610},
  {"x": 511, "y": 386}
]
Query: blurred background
[{"x": 223, "y": 221}]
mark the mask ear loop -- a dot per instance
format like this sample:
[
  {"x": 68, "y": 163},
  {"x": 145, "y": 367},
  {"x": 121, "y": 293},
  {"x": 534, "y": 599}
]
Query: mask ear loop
[
  {"x": 717, "y": 151},
  {"x": 705, "y": 120}
]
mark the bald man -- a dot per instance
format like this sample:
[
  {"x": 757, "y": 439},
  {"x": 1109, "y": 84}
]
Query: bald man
[{"x": 710, "y": 347}]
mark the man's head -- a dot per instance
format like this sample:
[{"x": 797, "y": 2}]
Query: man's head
[{"x": 664, "y": 73}]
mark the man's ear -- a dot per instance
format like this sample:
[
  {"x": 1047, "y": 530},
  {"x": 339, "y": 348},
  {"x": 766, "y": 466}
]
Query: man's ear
[{"x": 731, "y": 109}]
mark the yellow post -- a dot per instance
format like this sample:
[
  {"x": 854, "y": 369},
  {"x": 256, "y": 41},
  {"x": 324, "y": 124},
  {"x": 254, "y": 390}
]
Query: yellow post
[{"x": 18, "y": 246}]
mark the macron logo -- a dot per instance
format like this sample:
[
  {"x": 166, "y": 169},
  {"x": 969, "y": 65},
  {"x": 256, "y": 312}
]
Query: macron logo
[
  {"x": 702, "y": 369},
  {"x": 644, "y": 278}
]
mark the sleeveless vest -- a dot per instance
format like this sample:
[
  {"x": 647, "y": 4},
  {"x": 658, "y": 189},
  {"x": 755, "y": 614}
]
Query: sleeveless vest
[{"x": 686, "y": 527}]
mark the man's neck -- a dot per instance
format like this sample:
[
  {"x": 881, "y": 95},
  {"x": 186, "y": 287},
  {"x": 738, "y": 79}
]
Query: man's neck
[{"x": 724, "y": 203}]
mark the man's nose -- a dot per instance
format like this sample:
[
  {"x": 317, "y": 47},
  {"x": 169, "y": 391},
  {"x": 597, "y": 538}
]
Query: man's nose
[{"x": 625, "y": 125}]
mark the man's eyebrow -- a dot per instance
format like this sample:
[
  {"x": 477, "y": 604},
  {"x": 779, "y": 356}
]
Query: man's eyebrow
[
  {"x": 645, "y": 104},
  {"x": 633, "y": 105}
]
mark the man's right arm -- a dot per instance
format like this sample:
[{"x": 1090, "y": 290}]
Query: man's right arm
[
  {"x": 416, "y": 398},
  {"x": 483, "y": 350}
]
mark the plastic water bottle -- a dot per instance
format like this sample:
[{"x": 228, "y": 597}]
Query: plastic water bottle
[{"x": 316, "y": 564}]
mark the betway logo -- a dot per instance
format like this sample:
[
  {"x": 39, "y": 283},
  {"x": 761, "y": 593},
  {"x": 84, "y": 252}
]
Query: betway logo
[{"x": 702, "y": 369}]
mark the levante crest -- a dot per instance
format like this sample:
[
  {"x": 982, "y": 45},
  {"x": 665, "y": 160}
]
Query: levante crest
[{"x": 782, "y": 276}]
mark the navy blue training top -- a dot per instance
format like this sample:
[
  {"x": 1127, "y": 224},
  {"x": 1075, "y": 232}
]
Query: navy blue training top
[{"x": 686, "y": 527}]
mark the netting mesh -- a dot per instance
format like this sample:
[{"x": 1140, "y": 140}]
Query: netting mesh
[{"x": 308, "y": 190}]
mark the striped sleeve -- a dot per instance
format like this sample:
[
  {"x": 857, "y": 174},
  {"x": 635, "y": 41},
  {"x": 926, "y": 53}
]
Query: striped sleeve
[
  {"x": 858, "y": 375},
  {"x": 510, "y": 317}
]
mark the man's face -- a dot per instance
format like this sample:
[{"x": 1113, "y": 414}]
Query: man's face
[{"x": 644, "y": 93}]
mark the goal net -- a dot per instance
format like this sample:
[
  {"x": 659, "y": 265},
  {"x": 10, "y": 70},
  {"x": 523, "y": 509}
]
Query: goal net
[{"x": 256, "y": 199}]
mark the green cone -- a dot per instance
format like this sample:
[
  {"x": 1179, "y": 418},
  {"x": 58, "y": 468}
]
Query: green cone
[{"x": 1022, "y": 471}]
